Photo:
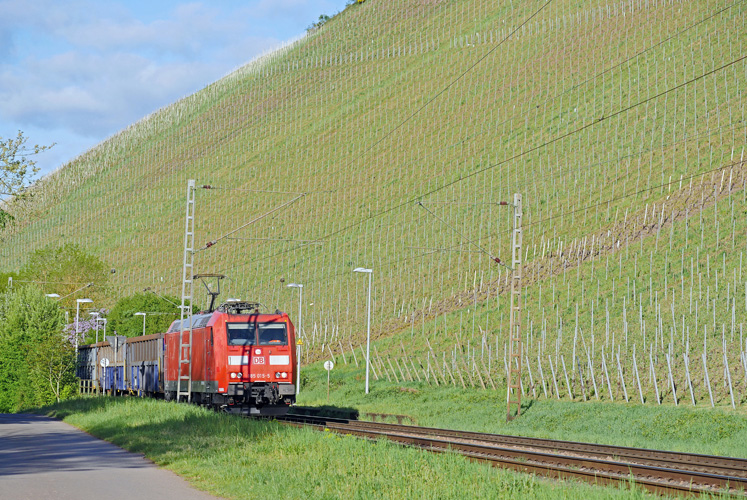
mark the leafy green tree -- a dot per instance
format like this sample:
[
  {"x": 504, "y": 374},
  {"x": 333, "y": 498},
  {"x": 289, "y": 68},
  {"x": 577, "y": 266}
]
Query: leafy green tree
[
  {"x": 319, "y": 23},
  {"x": 17, "y": 169},
  {"x": 36, "y": 357},
  {"x": 160, "y": 313},
  {"x": 52, "y": 363},
  {"x": 70, "y": 271}
]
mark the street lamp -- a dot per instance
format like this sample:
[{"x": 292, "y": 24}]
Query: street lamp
[
  {"x": 95, "y": 315},
  {"x": 143, "y": 315},
  {"x": 298, "y": 347},
  {"x": 104, "y": 320},
  {"x": 368, "y": 328},
  {"x": 78, "y": 302}
]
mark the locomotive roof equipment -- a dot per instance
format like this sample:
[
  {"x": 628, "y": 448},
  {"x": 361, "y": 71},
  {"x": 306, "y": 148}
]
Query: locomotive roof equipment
[{"x": 213, "y": 293}]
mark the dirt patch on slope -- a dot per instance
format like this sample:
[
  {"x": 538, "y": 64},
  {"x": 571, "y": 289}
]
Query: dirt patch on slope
[{"x": 687, "y": 199}]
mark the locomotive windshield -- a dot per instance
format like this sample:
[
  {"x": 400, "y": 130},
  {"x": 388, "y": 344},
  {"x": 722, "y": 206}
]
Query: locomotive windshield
[
  {"x": 272, "y": 333},
  {"x": 240, "y": 333},
  {"x": 248, "y": 333}
]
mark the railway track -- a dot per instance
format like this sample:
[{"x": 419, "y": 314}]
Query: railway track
[{"x": 658, "y": 471}]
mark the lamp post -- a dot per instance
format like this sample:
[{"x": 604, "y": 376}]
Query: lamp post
[
  {"x": 143, "y": 315},
  {"x": 298, "y": 347},
  {"x": 368, "y": 321},
  {"x": 78, "y": 302},
  {"x": 104, "y": 320},
  {"x": 95, "y": 315}
]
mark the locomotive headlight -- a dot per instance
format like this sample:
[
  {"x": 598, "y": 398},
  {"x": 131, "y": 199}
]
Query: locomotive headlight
[
  {"x": 277, "y": 374},
  {"x": 284, "y": 375},
  {"x": 238, "y": 375},
  {"x": 233, "y": 375},
  {"x": 258, "y": 351}
]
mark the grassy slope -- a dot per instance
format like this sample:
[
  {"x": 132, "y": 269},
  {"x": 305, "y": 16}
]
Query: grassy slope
[{"x": 576, "y": 108}]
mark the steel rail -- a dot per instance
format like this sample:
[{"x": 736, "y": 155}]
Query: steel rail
[
  {"x": 656, "y": 470},
  {"x": 661, "y": 458},
  {"x": 680, "y": 460}
]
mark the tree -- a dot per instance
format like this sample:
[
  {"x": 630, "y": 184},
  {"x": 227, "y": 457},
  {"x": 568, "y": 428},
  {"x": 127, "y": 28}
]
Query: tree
[
  {"x": 160, "y": 314},
  {"x": 89, "y": 328},
  {"x": 17, "y": 169},
  {"x": 320, "y": 22},
  {"x": 36, "y": 358},
  {"x": 52, "y": 363},
  {"x": 69, "y": 271}
]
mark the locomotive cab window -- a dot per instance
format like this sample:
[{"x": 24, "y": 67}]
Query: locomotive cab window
[
  {"x": 240, "y": 333},
  {"x": 272, "y": 334}
]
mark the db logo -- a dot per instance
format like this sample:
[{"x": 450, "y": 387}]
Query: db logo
[{"x": 258, "y": 360}]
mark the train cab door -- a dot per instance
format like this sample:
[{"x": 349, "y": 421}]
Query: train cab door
[{"x": 209, "y": 359}]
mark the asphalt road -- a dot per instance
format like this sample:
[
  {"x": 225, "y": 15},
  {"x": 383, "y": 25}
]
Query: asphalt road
[{"x": 43, "y": 458}]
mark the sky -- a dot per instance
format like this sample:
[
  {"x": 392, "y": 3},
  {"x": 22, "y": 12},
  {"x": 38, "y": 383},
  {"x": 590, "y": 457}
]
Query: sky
[{"x": 75, "y": 72}]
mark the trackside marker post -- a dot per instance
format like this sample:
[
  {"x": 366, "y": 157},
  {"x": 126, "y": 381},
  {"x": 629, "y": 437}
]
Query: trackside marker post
[{"x": 328, "y": 365}]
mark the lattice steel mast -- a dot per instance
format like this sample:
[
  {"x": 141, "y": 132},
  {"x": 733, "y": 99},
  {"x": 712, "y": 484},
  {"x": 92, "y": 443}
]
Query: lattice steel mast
[
  {"x": 513, "y": 391},
  {"x": 185, "y": 348}
]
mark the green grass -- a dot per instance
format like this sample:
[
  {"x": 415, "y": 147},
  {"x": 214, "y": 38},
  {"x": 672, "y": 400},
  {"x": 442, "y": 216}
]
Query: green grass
[{"x": 236, "y": 458}]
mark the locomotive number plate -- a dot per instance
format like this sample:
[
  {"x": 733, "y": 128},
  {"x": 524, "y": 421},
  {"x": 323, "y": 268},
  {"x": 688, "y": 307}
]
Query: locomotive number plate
[{"x": 258, "y": 360}]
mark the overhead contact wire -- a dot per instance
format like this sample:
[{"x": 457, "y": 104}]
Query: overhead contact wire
[
  {"x": 286, "y": 204},
  {"x": 470, "y": 241},
  {"x": 622, "y": 197}
]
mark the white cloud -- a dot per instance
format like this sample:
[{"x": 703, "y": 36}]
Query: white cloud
[
  {"x": 96, "y": 93},
  {"x": 191, "y": 31},
  {"x": 83, "y": 69}
]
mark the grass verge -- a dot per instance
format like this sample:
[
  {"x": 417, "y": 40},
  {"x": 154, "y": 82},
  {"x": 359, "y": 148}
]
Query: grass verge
[
  {"x": 677, "y": 428},
  {"x": 238, "y": 458}
]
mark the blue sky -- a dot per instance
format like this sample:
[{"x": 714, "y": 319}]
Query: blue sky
[{"x": 77, "y": 71}]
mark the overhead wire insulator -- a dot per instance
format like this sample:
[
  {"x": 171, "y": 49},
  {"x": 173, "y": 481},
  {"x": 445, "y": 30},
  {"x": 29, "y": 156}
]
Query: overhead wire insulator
[
  {"x": 210, "y": 243},
  {"x": 207, "y": 186},
  {"x": 503, "y": 203}
]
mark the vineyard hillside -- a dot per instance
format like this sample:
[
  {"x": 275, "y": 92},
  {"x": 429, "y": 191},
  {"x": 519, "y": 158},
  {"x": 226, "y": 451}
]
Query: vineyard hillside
[{"x": 388, "y": 138}]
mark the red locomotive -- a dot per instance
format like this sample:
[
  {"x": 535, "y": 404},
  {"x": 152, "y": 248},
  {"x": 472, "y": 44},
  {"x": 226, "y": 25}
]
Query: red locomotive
[{"x": 241, "y": 361}]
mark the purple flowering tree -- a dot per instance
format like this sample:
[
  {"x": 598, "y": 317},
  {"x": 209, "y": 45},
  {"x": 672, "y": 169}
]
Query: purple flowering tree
[{"x": 87, "y": 328}]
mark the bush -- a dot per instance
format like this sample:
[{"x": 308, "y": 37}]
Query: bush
[{"x": 36, "y": 358}]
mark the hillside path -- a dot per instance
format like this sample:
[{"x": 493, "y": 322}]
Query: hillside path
[{"x": 43, "y": 458}]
